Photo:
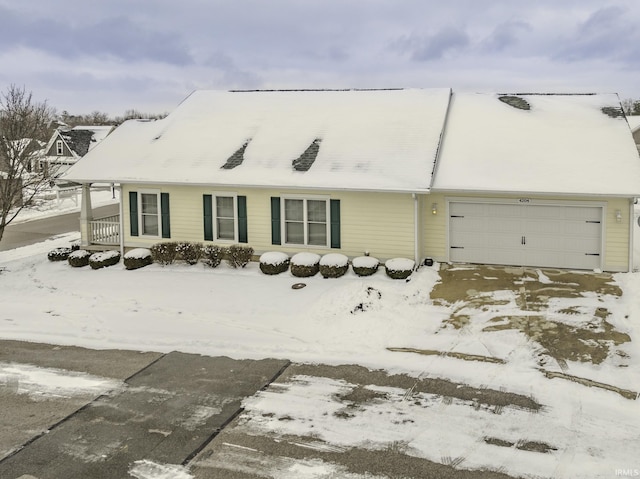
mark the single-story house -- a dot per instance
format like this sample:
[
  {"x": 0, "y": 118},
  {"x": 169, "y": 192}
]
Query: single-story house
[
  {"x": 540, "y": 180},
  {"x": 67, "y": 145}
]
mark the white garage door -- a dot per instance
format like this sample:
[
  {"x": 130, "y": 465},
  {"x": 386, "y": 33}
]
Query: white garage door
[{"x": 562, "y": 236}]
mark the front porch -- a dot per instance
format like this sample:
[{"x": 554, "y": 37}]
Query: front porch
[{"x": 97, "y": 233}]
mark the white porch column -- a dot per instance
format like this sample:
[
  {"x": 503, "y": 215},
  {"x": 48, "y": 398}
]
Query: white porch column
[{"x": 86, "y": 214}]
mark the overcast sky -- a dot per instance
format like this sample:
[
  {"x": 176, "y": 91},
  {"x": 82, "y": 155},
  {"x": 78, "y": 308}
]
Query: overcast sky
[{"x": 86, "y": 55}]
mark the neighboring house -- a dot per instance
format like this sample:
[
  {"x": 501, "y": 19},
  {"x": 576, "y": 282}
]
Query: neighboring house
[
  {"x": 67, "y": 146},
  {"x": 537, "y": 180},
  {"x": 634, "y": 124}
]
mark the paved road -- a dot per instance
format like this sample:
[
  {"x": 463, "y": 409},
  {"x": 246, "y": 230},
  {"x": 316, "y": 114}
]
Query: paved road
[
  {"x": 165, "y": 412},
  {"x": 34, "y": 231},
  {"x": 69, "y": 412}
]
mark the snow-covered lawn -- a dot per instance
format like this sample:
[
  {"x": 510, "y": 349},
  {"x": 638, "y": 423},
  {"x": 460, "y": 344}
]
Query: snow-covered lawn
[{"x": 243, "y": 313}]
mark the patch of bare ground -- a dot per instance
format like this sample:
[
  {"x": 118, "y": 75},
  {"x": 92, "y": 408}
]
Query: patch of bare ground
[
  {"x": 531, "y": 446},
  {"x": 486, "y": 398},
  {"x": 592, "y": 340},
  {"x": 449, "y": 354}
]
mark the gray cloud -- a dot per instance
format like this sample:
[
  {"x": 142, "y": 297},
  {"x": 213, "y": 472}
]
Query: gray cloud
[
  {"x": 606, "y": 34},
  {"x": 505, "y": 35},
  {"x": 431, "y": 47},
  {"x": 115, "y": 36}
]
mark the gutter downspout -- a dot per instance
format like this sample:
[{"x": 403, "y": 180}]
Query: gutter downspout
[
  {"x": 632, "y": 222},
  {"x": 416, "y": 231},
  {"x": 121, "y": 208}
]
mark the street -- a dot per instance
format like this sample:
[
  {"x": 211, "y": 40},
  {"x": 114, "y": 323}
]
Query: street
[{"x": 34, "y": 231}]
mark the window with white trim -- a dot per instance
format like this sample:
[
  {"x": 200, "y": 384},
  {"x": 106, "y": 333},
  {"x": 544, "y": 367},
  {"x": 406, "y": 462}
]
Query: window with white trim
[
  {"x": 226, "y": 213},
  {"x": 305, "y": 221},
  {"x": 149, "y": 213},
  {"x": 59, "y": 148}
]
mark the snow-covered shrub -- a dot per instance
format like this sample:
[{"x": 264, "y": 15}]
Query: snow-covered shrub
[
  {"x": 137, "y": 258},
  {"x": 79, "y": 258},
  {"x": 365, "y": 265},
  {"x": 304, "y": 265},
  {"x": 104, "y": 259},
  {"x": 399, "y": 268},
  {"x": 212, "y": 255},
  {"x": 238, "y": 255},
  {"x": 274, "y": 262},
  {"x": 190, "y": 253},
  {"x": 59, "y": 254},
  {"x": 164, "y": 253},
  {"x": 333, "y": 265}
]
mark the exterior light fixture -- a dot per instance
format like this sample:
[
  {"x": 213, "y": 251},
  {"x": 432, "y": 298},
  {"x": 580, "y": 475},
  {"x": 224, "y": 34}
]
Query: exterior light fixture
[
  {"x": 434, "y": 208},
  {"x": 618, "y": 216}
]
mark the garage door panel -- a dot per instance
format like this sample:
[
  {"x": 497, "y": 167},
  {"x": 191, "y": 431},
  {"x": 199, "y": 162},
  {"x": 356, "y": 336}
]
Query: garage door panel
[{"x": 562, "y": 236}]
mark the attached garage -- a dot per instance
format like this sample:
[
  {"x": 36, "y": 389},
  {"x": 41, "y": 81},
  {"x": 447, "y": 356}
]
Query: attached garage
[
  {"x": 542, "y": 180},
  {"x": 567, "y": 235}
]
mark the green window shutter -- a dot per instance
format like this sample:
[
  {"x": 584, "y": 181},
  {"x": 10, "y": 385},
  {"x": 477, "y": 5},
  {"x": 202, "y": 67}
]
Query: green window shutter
[
  {"x": 164, "y": 213},
  {"x": 242, "y": 219},
  {"x": 335, "y": 223},
  {"x": 275, "y": 220},
  {"x": 207, "y": 207},
  {"x": 133, "y": 212}
]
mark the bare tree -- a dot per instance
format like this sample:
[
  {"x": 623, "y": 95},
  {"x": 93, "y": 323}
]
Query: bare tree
[{"x": 23, "y": 123}]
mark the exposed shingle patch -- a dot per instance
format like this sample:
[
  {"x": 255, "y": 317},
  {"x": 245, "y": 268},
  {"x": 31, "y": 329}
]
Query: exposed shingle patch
[
  {"x": 612, "y": 111},
  {"x": 515, "y": 101},
  {"x": 78, "y": 140},
  {"x": 237, "y": 158},
  {"x": 304, "y": 162}
]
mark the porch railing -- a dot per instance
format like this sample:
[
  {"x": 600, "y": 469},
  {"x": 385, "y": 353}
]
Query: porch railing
[{"x": 105, "y": 230}]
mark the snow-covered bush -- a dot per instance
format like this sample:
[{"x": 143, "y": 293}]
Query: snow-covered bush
[
  {"x": 365, "y": 265},
  {"x": 79, "y": 258},
  {"x": 212, "y": 255},
  {"x": 304, "y": 265},
  {"x": 190, "y": 253},
  {"x": 59, "y": 254},
  {"x": 137, "y": 258},
  {"x": 333, "y": 265},
  {"x": 238, "y": 255},
  {"x": 164, "y": 253},
  {"x": 274, "y": 262},
  {"x": 104, "y": 259},
  {"x": 399, "y": 268}
]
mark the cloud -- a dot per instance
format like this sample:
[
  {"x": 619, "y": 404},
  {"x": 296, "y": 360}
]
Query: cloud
[
  {"x": 431, "y": 47},
  {"x": 115, "y": 37},
  {"x": 606, "y": 34},
  {"x": 231, "y": 76},
  {"x": 505, "y": 35}
]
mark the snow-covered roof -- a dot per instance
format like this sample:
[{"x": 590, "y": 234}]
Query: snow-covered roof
[
  {"x": 383, "y": 140},
  {"x": 534, "y": 143},
  {"x": 634, "y": 122}
]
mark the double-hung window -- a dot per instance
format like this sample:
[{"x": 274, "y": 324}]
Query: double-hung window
[
  {"x": 149, "y": 209},
  {"x": 59, "y": 148},
  {"x": 226, "y": 218},
  {"x": 305, "y": 221}
]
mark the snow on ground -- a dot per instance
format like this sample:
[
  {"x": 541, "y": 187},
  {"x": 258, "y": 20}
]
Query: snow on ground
[
  {"x": 47, "y": 205},
  {"x": 242, "y": 313},
  {"x": 44, "y": 383}
]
